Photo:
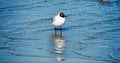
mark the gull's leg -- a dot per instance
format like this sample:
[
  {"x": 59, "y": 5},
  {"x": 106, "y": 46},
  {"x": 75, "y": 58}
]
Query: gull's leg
[
  {"x": 60, "y": 32},
  {"x": 60, "y": 28},
  {"x": 55, "y": 28},
  {"x": 55, "y": 32}
]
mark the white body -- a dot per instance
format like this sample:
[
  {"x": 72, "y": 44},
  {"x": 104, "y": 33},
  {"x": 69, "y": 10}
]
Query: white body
[{"x": 58, "y": 21}]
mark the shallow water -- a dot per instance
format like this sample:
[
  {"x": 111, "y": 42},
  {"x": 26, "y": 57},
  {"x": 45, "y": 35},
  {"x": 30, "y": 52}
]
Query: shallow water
[{"x": 91, "y": 33}]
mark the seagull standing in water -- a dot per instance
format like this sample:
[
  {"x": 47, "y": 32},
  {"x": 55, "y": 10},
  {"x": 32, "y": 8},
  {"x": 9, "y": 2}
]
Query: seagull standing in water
[{"x": 59, "y": 20}]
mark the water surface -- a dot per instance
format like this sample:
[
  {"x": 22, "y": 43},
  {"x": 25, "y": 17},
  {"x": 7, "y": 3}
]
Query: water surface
[{"x": 91, "y": 33}]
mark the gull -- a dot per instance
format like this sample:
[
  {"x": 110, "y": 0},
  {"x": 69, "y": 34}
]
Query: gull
[{"x": 59, "y": 20}]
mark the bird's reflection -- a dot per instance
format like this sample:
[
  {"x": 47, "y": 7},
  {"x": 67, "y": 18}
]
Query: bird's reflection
[{"x": 59, "y": 44}]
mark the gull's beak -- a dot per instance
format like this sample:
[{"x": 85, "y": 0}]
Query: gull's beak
[{"x": 65, "y": 16}]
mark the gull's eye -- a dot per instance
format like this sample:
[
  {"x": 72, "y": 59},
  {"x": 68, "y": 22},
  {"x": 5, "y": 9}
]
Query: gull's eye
[{"x": 62, "y": 14}]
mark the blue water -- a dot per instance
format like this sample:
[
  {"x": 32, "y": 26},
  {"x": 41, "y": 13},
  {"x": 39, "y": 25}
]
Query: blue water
[{"x": 91, "y": 33}]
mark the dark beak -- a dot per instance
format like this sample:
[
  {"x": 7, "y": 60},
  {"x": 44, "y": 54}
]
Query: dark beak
[{"x": 65, "y": 16}]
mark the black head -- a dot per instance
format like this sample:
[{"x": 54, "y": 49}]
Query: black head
[{"x": 62, "y": 15}]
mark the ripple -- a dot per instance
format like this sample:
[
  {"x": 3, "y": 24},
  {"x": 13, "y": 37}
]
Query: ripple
[
  {"x": 51, "y": 29},
  {"x": 104, "y": 21},
  {"x": 75, "y": 26},
  {"x": 113, "y": 57},
  {"x": 22, "y": 7},
  {"x": 94, "y": 58},
  {"x": 3, "y": 16},
  {"x": 40, "y": 20},
  {"x": 4, "y": 47},
  {"x": 31, "y": 7},
  {"x": 60, "y": 3},
  {"x": 16, "y": 6},
  {"x": 17, "y": 54},
  {"x": 96, "y": 23},
  {"x": 77, "y": 52},
  {"x": 90, "y": 37},
  {"x": 15, "y": 38},
  {"x": 41, "y": 30},
  {"x": 111, "y": 30}
]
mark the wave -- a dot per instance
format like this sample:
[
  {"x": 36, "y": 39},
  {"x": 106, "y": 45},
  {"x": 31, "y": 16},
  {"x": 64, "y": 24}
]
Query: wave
[
  {"x": 94, "y": 58},
  {"x": 111, "y": 30},
  {"x": 16, "y": 6},
  {"x": 15, "y": 38},
  {"x": 111, "y": 56}
]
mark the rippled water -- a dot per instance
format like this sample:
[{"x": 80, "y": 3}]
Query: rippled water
[{"x": 91, "y": 33}]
